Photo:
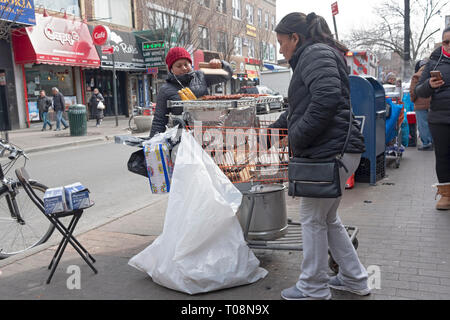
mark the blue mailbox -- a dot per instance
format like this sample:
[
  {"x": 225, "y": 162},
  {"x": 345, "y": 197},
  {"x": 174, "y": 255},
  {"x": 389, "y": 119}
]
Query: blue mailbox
[{"x": 369, "y": 107}]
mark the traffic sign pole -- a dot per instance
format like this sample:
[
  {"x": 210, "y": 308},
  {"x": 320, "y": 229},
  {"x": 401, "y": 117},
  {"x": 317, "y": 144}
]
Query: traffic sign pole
[{"x": 334, "y": 12}]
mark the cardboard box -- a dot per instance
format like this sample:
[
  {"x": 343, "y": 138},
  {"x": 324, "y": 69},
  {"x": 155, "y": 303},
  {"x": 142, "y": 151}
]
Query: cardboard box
[
  {"x": 159, "y": 167},
  {"x": 77, "y": 196},
  {"x": 54, "y": 201}
]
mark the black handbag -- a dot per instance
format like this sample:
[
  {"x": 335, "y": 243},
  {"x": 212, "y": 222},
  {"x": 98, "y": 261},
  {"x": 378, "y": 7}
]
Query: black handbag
[{"x": 317, "y": 178}]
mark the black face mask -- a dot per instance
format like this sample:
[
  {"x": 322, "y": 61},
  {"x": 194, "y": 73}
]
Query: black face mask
[{"x": 185, "y": 79}]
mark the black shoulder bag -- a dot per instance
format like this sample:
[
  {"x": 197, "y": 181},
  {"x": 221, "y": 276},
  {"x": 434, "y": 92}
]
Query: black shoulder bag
[{"x": 317, "y": 178}]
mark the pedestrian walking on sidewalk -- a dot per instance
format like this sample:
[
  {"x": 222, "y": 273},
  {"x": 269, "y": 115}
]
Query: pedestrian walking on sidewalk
[
  {"x": 317, "y": 122},
  {"x": 438, "y": 88},
  {"x": 59, "y": 107},
  {"x": 98, "y": 107},
  {"x": 44, "y": 103},
  {"x": 421, "y": 106}
]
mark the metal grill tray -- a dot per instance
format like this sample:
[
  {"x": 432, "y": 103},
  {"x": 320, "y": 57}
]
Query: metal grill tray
[{"x": 211, "y": 104}]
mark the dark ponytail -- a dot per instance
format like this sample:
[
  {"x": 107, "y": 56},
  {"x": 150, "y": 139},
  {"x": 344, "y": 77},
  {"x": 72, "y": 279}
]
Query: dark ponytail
[
  {"x": 308, "y": 27},
  {"x": 319, "y": 32}
]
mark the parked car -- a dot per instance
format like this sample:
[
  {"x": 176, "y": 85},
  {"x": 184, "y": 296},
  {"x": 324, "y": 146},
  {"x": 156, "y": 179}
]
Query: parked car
[{"x": 264, "y": 108}]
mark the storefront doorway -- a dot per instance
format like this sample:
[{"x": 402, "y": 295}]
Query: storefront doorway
[{"x": 103, "y": 80}]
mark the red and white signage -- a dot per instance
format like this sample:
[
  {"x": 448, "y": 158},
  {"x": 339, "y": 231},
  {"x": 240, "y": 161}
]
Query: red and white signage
[
  {"x": 101, "y": 35},
  {"x": 107, "y": 49},
  {"x": 334, "y": 8},
  {"x": 55, "y": 41}
]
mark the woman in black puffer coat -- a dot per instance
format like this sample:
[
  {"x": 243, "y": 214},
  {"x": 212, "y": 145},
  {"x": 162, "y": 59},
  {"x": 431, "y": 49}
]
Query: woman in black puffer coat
[
  {"x": 439, "y": 114},
  {"x": 181, "y": 74},
  {"x": 318, "y": 120}
]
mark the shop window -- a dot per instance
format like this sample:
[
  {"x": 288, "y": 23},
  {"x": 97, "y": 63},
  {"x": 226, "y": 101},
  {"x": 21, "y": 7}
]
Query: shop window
[
  {"x": 114, "y": 11},
  {"x": 71, "y": 6},
  {"x": 45, "y": 77}
]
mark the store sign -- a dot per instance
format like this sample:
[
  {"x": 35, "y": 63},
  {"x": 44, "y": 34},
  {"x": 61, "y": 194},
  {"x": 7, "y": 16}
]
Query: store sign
[
  {"x": 252, "y": 61},
  {"x": 154, "y": 58},
  {"x": 55, "y": 41},
  {"x": 153, "y": 45},
  {"x": 127, "y": 53},
  {"x": 101, "y": 35},
  {"x": 64, "y": 37},
  {"x": 18, "y": 11},
  {"x": 251, "y": 31},
  {"x": 152, "y": 70},
  {"x": 107, "y": 49}
]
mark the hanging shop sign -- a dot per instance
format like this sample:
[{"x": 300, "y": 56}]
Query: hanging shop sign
[{"x": 101, "y": 35}]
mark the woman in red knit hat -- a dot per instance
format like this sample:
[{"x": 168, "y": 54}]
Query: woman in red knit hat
[{"x": 180, "y": 75}]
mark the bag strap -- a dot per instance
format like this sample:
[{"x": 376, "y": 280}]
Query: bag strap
[{"x": 347, "y": 139}]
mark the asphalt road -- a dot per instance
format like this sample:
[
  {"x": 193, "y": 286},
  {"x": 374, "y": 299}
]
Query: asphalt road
[{"x": 100, "y": 167}]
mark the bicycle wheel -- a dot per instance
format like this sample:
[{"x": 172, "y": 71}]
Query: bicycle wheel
[
  {"x": 131, "y": 125},
  {"x": 15, "y": 236}
]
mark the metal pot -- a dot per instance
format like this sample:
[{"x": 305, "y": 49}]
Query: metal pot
[{"x": 263, "y": 213}]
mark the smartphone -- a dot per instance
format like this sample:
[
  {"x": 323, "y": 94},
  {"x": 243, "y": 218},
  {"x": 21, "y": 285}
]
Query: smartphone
[{"x": 436, "y": 74}]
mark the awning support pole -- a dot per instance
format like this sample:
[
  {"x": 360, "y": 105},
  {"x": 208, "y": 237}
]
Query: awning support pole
[{"x": 115, "y": 90}]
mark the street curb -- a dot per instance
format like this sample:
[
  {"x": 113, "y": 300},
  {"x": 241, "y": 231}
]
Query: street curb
[
  {"x": 54, "y": 242},
  {"x": 69, "y": 144}
]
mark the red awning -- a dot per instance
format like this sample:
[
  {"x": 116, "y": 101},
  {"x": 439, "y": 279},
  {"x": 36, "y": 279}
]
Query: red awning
[{"x": 55, "y": 41}]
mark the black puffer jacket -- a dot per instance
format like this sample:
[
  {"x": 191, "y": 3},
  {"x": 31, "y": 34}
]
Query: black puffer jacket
[
  {"x": 439, "y": 112},
  {"x": 318, "y": 115},
  {"x": 197, "y": 81}
]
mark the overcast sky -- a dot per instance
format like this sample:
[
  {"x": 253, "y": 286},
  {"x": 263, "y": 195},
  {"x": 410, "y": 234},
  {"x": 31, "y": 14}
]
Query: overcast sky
[{"x": 352, "y": 13}]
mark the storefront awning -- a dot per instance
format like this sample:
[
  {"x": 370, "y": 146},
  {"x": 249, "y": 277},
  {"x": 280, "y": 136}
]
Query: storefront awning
[
  {"x": 127, "y": 52},
  {"x": 271, "y": 66},
  {"x": 55, "y": 41}
]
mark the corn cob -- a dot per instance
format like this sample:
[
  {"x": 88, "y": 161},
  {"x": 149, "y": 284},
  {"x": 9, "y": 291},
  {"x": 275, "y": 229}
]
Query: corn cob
[
  {"x": 182, "y": 95},
  {"x": 188, "y": 92}
]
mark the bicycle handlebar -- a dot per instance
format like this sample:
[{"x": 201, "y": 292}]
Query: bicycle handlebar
[{"x": 14, "y": 152}]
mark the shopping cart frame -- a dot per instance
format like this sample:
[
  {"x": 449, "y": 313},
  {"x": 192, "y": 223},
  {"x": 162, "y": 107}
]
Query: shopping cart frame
[{"x": 292, "y": 240}]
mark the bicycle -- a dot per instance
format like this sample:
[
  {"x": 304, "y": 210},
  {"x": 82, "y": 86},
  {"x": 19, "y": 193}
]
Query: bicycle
[
  {"x": 139, "y": 111},
  {"x": 22, "y": 224}
]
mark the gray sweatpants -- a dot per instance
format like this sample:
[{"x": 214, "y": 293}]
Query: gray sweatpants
[{"x": 323, "y": 229}]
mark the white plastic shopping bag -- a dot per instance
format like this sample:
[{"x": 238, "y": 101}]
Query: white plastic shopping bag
[{"x": 202, "y": 247}]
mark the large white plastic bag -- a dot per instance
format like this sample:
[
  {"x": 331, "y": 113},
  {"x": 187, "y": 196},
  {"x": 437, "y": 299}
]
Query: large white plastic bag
[{"x": 202, "y": 247}]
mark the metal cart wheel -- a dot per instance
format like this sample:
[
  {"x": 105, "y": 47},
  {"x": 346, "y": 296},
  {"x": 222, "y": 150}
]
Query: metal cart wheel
[{"x": 333, "y": 265}]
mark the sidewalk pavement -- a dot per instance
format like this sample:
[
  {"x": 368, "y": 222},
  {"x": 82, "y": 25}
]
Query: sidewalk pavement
[
  {"x": 34, "y": 140},
  {"x": 403, "y": 241}
]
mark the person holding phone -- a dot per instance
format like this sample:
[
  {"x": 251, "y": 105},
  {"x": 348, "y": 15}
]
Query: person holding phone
[{"x": 435, "y": 83}]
